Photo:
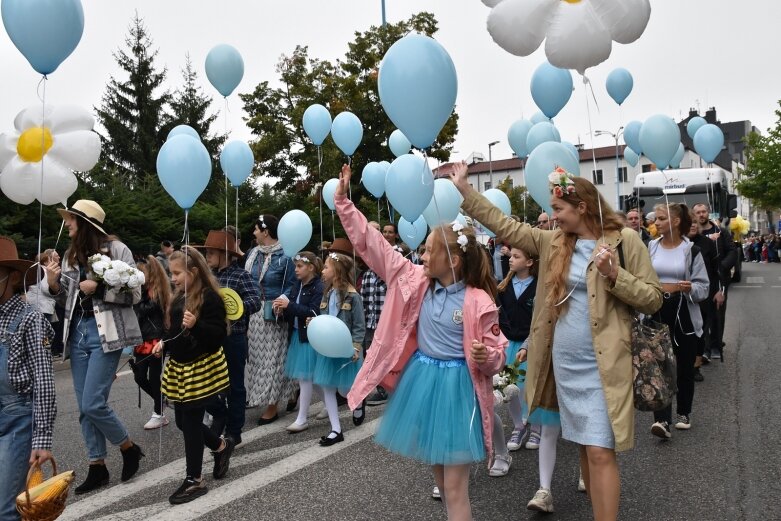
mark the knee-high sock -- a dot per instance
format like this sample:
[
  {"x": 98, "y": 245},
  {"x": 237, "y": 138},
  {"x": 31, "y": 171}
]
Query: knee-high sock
[
  {"x": 514, "y": 406},
  {"x": 329, "y": 397},
  {"x": 548, "y": 439},
  {"x": 500, "y": 444},
  {"x": 304, "y": 399}
]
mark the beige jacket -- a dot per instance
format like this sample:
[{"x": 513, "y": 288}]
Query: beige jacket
[{"x": 637, "y": 288}]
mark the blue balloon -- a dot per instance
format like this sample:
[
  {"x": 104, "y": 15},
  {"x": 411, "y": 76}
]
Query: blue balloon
[
  {"x": 373, "y": 178},
  {"x": 330, "y": 337},
  {"x": 632, "y": 136},
  {"x": 551, "y": 88},
  {"x": 542, "y": 161},
  {"x": 398, "y": 143},
  {"x": 461, "y": 219},
  {"x": 619, "y": 84},
  {"x": 224, "y": 68},
  {"x": 631, "y": 156},
  {"x": 659, "y": 138},
  {"x": 694, "y": 125},
  {"x": 573, "y": 150},
  {"x": 445, "y": 204},
  {"x": 185, "y": 130},
  {"x": 708, "y": 142},
  {"x": 541, "y": 133},
  {"x": 675, "y": 162},
  {"x": 409, "y": 186},
  {"x": 317, "y": 123},
  {"x": 413, "y": 233},
  {"x": 539, "y": 117},
  {"x": 329, "y": 189},
  {"x": 347, "y": 132},
  {"x": 237, "y": 161},
  {"x": 45, "y": 31},
  {"x": 294, "y": 232},
  {"x": 385, "y": 166},
  {"x": 499, "y": 199},
  {"x": 517, "y": 135},
  {"x": 418, "y": 87},
  {"x": 184, "y": 168}
]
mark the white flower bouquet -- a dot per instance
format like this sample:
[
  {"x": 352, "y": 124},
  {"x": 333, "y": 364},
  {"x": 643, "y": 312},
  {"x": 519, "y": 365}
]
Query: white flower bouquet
[
  {"x": 116, "y": 274},
  {"x": 506, "y": 383}
]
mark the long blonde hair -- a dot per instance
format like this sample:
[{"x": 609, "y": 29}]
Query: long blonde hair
[
  {"x": 203, "y": 279},
  {"x": 475, "y": 264},
  {"x": 157, "y": 282},
  {"x": 343, "y": 267},
  {"x": 563, "y": 244}
]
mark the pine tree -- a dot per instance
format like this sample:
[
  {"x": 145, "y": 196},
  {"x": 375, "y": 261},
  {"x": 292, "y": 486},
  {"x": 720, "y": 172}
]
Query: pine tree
[{"x": 131, "y": 113}]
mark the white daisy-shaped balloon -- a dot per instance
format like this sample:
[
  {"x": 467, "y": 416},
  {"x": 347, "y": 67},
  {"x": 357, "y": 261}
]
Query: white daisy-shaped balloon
[
  {"x": 578, "y": 34},
  {"x": 53, "y": 144}
]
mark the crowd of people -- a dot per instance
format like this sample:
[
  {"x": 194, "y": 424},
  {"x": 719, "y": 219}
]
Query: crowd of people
[{"x": 429, "y": 329}]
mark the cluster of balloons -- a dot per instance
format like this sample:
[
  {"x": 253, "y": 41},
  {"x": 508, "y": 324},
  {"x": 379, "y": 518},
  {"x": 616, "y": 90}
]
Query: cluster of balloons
[
  {"x": 345, "y": 129},
  {"x": 184, "y": 166},
  {"x": 224, "y": 68},
  {"x": 52, "y": 144},
  {"x": 373, "y": 177},
  {"x": 578, "y": 34}
]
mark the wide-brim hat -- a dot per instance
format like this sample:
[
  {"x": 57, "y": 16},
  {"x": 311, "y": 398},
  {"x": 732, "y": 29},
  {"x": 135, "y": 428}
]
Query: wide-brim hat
[
  {"x": 220, "y": 240},
  {"x": 342, "y": 246},
  {"x": 88, "y": 210},
  {"x": 9, "y": 258}
]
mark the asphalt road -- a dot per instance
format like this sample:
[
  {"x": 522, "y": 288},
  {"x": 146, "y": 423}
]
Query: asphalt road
[{"x": 725, "y": 468}]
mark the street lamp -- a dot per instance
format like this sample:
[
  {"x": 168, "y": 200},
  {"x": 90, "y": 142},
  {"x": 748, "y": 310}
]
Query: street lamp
[
  {"x": 384, "y": 22},
  {"x": 490, "y": 165},
  {"x": 616, "y": 136}
]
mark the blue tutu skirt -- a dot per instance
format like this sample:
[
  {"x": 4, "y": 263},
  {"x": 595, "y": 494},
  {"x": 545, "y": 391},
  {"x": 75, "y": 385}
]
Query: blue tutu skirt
[
  {"x": 336, "y": 372},
  {"x": 301, "y": 359},
  {"x": 433, "y": 416},
  {"x": 540, "y": 415},
  {"x": 512, "y": 351}
]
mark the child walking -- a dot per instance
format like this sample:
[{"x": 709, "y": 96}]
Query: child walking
[
  {"x": 28, "y": 405},
  {"x": 516, "y": 304},
  {"x": 197, "y": 371},
  {"x": 341, "y": 300},
  {"x": 155, "y": 299},
  {"x": 301, "y": 303},
  {"x": 438, "y": 344}
]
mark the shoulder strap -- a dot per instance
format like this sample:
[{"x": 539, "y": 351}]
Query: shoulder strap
[
  {"x": 694, "y": 251},
  {"x": 621, "y": 254}
]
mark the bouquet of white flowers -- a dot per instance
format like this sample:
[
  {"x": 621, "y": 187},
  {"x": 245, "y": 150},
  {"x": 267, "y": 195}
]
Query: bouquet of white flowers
[
  {"x": 506, "y": 383},
  {"x": 116, "y": 274}
]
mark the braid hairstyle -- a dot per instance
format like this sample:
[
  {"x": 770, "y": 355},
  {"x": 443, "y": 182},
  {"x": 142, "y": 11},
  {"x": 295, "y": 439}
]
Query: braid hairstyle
[{"x": 475, "y": 267}]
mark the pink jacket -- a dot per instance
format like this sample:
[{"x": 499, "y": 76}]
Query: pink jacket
[{"x": 395, "y": 339}]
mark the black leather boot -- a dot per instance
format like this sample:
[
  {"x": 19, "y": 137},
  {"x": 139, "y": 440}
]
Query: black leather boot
[
  {"x": 97, "y": 477},
  {"x": 131, "y": 457}
]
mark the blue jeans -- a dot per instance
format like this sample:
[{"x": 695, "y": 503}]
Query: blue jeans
[
  {"x": 16, "y": 439},
  {"x": 236, "y": 356},
  {"x": 93, "y": 373}
]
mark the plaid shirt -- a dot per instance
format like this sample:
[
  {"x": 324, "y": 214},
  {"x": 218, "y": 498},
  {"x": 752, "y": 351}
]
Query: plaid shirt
[
  {"x": 240, "y": 281},
  {"x": 30, "y": 365},
  {"x": 373, "y": 291}
]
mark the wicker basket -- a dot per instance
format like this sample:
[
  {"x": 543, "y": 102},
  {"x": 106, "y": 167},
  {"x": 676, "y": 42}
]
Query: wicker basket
[{"x": 29, "y": 504}]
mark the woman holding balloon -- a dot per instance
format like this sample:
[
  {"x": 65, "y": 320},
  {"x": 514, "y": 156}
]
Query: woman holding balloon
[
  {"x": 267, "y": 335},
  {"x": 581, "y": 326}
]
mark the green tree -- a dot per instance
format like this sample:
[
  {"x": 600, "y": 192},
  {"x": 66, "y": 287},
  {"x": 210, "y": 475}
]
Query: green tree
[
  {"x": 528, "y": 212},
  {"x": 760, "y": 181}
]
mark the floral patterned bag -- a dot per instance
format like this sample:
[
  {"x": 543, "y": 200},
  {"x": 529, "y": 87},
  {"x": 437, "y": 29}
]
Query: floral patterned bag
[{"x": 654, "y": 380}]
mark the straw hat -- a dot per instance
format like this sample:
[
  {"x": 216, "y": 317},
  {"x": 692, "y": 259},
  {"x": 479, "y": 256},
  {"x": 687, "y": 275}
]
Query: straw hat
[
  {"x": 90, "y": 211},
  {"x": 217, "y": 240},
  {"x": 9, "y": 258}
]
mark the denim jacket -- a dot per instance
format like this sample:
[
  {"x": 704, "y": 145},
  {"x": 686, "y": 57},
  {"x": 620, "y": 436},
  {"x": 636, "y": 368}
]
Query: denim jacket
[
  {"x": 279, "y": 277},
  {"x": 307, "y": 307},
  {"x": 351, "y": 313}
]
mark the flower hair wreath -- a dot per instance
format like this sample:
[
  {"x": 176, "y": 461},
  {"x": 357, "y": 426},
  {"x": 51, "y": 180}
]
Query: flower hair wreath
[
  {"x": 561, "y": 182},
  {"x": 462, "y": 239},
  {"x": 334, "y": 256},
  {"x": 262, "y": 222},
  {"x": 299, "y": 258}
]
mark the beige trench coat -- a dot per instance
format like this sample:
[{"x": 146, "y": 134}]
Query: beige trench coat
[{"x": 611, "y": 308}]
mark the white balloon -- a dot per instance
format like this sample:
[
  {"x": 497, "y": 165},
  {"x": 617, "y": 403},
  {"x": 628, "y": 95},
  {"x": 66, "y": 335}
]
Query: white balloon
[
  {"x": 625, "y": 19},
  {"x": 519, "y": 26},
  {"x": 7, "y": 149},
  {"x": 59, "y": 183},
  {"x": 17, "y": 181},
  {"x": 67, "y": 118},
  {"x": 577, "y": 39},
  {"x": 32, "y": 117},
  {"x": 78, "y": 150}
]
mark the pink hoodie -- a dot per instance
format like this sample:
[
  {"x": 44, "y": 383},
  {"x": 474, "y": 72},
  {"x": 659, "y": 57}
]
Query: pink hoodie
[{"x": 395, "y": 339}]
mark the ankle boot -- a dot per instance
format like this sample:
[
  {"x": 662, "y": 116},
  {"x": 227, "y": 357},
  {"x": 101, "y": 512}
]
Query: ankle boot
[
  {"x": 97, "y": 477},
  {"x": 131, "y": 457}
]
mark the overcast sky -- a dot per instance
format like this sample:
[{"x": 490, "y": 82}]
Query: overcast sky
[{"x": 693, "y": 53}]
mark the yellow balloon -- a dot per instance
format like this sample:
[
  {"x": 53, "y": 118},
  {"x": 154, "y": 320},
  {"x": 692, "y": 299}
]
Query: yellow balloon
[
  {"x": 34, "y": 143},
  {"x": 234, "y": 306}
]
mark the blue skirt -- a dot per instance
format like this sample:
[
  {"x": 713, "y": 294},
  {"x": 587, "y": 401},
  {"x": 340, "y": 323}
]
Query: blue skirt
[
  {"x": 301, "y": 359},
  {"x": 336, "y": 372},
  {"x": 433, "y": 416},
  {"x": 511, "y": 351}
]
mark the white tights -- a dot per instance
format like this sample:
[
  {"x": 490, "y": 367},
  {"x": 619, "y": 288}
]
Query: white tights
[
  {"x": 548, "y": 439},
  {"x": 304, "y": 400},
  {"x": 329, "y": 397}
]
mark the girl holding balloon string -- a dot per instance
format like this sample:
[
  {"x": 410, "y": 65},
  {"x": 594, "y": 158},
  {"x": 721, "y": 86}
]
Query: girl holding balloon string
[
  {"x": 438, "y": 343},
  {"x": 340, "y": 299}
]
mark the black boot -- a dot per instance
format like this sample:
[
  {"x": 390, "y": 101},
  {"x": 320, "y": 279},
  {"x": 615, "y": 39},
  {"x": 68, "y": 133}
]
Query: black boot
[
  {"x": 96, "y": 477},
  {"x": 131, "y": 457}
]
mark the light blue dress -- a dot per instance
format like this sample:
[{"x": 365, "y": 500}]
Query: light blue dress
[{"x": 582, "y": 406}]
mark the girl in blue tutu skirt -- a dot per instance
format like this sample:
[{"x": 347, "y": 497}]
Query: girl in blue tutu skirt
[{"x": 437, "y": 345}]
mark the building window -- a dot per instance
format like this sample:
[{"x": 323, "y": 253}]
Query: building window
[
  {"x": 648, "y": 168},
  {"x": 487, "y": 185},
  {"x": 596, "y": 177},
  {"x": 622, "y": 174},
  {"x": 622, "y": 202}
]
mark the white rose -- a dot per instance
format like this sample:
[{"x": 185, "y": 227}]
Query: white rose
[
  {"x": 141, "y": 277},
  {"x": 111, "y": 277},
  {"x": 133, "y": 282},
  {"x": 120, "y": 265},
  {"x": 124, "y": 276},
  {"x": 105, "y": 258},
  {"x": 497, "y": 379},
  {"x": 99, "y": 267}
]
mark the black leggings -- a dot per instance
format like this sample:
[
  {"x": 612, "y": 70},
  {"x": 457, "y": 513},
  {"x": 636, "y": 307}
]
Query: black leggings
[
  {"x": 675, "y": 313},
  {"x": 189, "y": 419},
  {"x": 146, "y": 372}
]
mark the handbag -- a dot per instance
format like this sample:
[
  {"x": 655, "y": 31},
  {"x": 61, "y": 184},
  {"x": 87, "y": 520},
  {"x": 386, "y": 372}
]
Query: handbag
[
  {"x": 654, "y": 376},
  {"x": 268, "y": 311}
]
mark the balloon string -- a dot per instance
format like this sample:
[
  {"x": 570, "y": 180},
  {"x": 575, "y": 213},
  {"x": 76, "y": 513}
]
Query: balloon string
[
  {"x": 320, "y": 183},
  {"x": 225, "y": 114},
  {"x": 41, "y": 84},
  {"x": 237, "y": 210},
  {"x": 525, "y": 190},
  {"x": 594, "y": 155},
  {"x": 333, "y": 226},
  {"x": 379, "y": 219}
]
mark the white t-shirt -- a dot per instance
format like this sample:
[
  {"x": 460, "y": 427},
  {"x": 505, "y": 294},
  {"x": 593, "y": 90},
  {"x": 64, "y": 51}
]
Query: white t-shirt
[{"x": 670, "y": 264}]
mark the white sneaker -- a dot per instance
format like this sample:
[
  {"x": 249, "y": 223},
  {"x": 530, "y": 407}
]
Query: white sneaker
[
  {"x": 581, "y": 483},
  {"x": 542, "y": 501},
  {"x": 322, "y": 415},
  {"x": 155, "y": 422},
  {"x": 435, "y": 493},
  {"x": 516, "y": 440},
  {"x": 501, "y": 466}
]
